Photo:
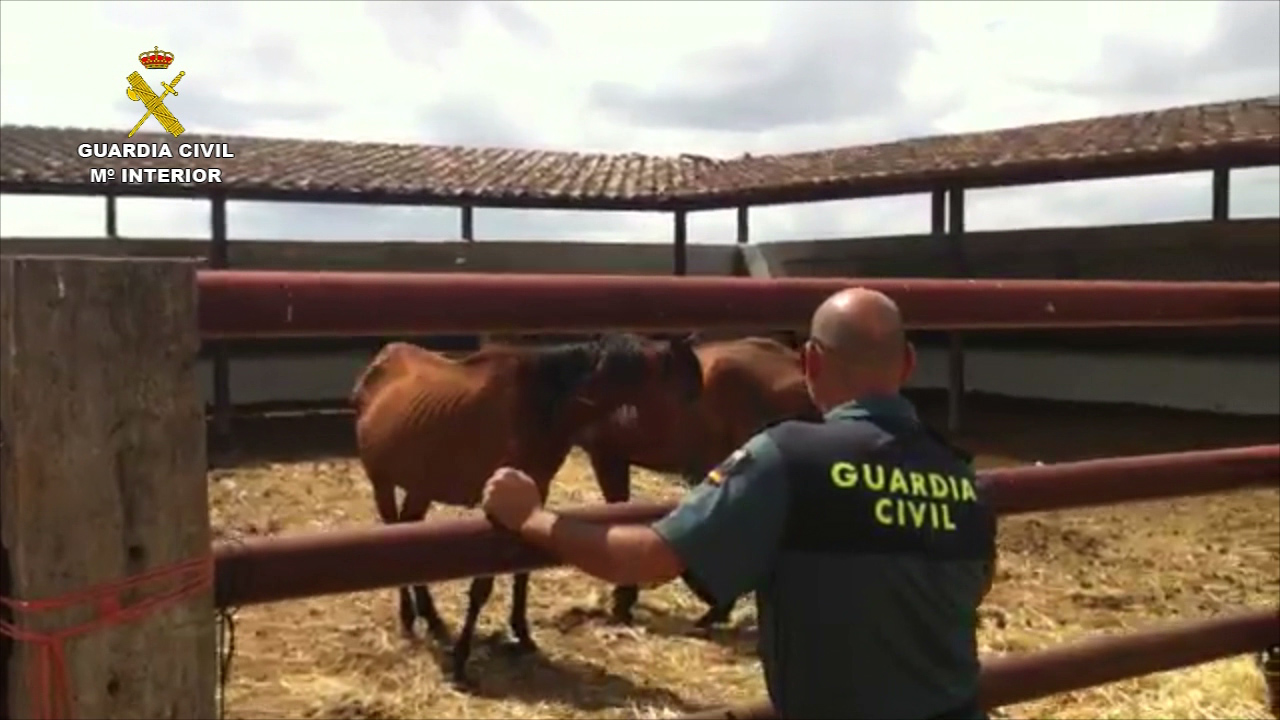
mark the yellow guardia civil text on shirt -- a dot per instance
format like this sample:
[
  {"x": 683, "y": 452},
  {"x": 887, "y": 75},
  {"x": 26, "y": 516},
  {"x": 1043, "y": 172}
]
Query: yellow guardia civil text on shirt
[{"x": 912, "y": 499}]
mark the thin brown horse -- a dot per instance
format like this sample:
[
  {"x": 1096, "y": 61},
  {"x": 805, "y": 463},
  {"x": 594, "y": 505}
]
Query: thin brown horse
[
  {"x": 747, "y": 384},
  {"x": 437, "y": 428}
]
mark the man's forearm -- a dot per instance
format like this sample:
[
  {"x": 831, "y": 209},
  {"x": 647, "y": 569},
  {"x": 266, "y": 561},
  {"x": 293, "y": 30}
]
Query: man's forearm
[{"x": 619, "y": 554}]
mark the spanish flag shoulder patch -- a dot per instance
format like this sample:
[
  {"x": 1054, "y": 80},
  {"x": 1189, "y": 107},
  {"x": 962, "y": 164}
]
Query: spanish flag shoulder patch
[{"x": 736, "y": 461}]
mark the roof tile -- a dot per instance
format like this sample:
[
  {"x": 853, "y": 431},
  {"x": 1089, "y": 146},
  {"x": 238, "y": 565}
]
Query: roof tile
[{"x": 45, "y": 160}]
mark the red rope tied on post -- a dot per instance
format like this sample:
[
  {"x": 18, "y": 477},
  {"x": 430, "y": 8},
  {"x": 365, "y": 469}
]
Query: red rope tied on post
[{"x": 49, "y": 687}]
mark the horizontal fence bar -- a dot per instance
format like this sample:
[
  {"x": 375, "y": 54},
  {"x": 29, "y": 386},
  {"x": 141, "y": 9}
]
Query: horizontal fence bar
[
  {"x": 270, "y": 569},
  {"x": 1097, "y": 661},
  {"x": 237, "y": 304},
  {"x": 1110, "y": 481}
]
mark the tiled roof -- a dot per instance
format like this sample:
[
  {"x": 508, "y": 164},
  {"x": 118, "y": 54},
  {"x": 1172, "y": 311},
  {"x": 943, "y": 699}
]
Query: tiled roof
[
  {"x": 38, "y": 159},
  {"x": 370, "y": 172},
  {"x": 1240, "y": 133}
]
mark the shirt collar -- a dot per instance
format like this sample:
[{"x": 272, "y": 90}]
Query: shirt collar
[{"x": 882, "y": 405}]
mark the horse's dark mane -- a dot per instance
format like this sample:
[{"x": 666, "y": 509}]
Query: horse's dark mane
[{"x": 557, "y": 371}]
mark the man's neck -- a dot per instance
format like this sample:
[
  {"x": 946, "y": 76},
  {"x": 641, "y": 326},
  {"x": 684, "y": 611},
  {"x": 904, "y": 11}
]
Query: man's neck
[{"x": 858, "y": 395}]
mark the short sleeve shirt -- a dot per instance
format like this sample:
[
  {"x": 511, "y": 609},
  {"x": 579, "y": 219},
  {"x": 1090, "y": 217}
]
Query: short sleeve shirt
[{"x": 867, "y": 543}]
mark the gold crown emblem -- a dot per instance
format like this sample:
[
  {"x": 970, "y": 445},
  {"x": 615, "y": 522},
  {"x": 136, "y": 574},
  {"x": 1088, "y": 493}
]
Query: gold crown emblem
[{"x": 155, "y": 59}]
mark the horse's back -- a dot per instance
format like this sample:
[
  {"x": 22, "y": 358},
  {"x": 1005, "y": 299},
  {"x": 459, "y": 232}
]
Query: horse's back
[
  {"x": 757, "y": 365},
  {"x": 750, "y": 383},
  {"x": 394, "y": 361},
  {"x": 426, "y": 419},
  {"x": 764, "y": 356}
]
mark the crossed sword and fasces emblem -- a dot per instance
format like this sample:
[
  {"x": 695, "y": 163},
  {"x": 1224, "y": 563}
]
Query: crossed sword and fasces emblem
[{"x": 140, "y": 90}]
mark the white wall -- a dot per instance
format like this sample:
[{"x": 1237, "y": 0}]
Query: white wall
[{"x": 1247, "y": 386}]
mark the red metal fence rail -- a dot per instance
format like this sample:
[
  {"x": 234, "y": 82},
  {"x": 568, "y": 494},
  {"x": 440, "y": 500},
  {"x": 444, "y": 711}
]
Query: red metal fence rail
[
  {"x": 282, "y": 568},
  {"x": 261, "y": 304},
  {"x": 1075, "y": 666},
  {"x": 282, "y": 304}
]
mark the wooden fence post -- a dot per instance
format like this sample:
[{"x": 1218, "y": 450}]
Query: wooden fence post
[{"x": 102, "y": 478}]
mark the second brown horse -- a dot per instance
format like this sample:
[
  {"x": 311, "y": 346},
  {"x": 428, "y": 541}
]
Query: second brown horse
[
  {"x": 437, "y": 428},
  {"x": 747, "y": 384}
]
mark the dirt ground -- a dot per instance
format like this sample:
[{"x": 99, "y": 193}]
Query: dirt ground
[{"x": 1064, "y": 575}]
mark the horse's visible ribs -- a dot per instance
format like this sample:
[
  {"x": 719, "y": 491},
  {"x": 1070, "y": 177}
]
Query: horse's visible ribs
[{"x": 438, "y": 426}]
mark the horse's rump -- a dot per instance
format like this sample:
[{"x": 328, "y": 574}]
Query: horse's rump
[{"x": 391, "y": 362}]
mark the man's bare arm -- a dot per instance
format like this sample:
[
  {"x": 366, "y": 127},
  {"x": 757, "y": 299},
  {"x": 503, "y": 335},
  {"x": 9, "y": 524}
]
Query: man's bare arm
[
  {"x": 618, "y": 554},
  {"x": 722, "y": 537}
]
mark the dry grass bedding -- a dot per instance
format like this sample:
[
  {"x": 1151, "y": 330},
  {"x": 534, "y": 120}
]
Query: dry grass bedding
[{"x": 1064, "y": 575}]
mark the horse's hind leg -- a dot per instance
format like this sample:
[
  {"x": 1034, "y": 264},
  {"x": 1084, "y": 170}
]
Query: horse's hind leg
[
  {"x": 414, "y": 510},
  {"x": 613, "y": 475},
  {"x": 384, "y": 495},
  {"x": 477, "y": 596},
  {"x": 520, "y": 614},
  {"x": 717, "y": 615}
]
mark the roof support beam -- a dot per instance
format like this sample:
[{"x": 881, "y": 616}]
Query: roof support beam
[
  {"x": 741, "y": 262},
  {"x": 938, "y": 214},
  {"x": 1221, "y": 194},
  {"x": 219, "y": 258},
  {"x": 468, "y": 224},
  {"x": 113, "y": 232},
  {"x": 960, "y": 268},
  {"x": 218, "y": 250},
  {"x": 680, "y": 259}
]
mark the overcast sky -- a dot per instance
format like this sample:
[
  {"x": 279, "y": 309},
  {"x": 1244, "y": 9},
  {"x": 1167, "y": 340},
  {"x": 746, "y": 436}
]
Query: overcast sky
[{"x": 714, "y": 78}]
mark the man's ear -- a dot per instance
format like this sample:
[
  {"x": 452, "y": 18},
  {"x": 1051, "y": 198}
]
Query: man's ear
[
  {"x": 908, "y": 362},
  {"x": 808, "y": 358}
]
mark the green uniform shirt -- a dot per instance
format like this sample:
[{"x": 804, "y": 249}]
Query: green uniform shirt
[{"x": 858, "y": 633}]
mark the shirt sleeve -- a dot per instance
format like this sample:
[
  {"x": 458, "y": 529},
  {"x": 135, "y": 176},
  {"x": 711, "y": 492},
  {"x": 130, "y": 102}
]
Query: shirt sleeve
[{"x": 728, "y": 529}]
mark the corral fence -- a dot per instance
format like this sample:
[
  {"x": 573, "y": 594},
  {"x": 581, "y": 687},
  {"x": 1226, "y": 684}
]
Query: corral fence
[{"x": 110, "y": 571}]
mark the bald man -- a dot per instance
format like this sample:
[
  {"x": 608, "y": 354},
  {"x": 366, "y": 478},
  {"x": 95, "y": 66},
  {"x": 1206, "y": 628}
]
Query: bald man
[{"x": 864, "y": 537}]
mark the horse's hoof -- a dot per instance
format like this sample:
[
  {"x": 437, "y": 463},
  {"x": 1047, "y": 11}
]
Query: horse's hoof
[
  {"x": 440, "y": 635},
  {"x": 621, "y": 612},
  {"x": 707, "y": 622},
  {"x": 517, "y": 647},
  {"x": 463, "y": 683}
]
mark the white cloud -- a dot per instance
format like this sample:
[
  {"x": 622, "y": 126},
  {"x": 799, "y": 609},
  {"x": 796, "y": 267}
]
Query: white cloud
[{"x": 526, "y": 74}]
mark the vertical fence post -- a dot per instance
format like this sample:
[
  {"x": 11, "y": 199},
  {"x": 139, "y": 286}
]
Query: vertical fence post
[{"x": 102, "y": 478}]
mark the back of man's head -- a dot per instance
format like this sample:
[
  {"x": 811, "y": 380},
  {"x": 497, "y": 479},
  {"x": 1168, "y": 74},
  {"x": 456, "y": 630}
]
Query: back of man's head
[{"x": 863, "y": 344}]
